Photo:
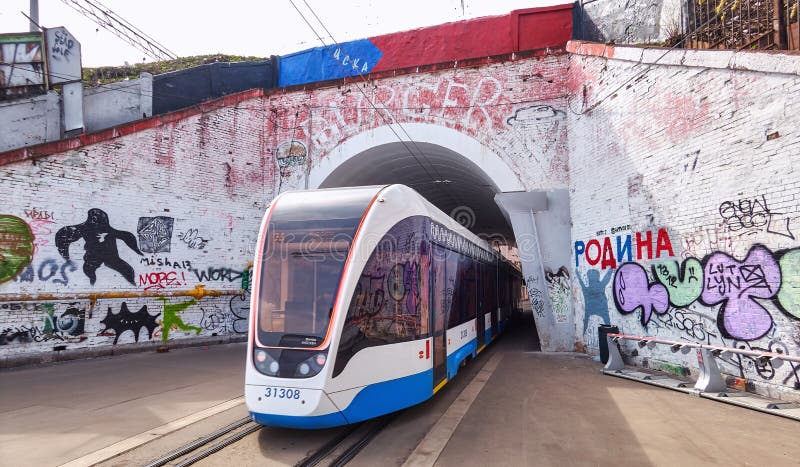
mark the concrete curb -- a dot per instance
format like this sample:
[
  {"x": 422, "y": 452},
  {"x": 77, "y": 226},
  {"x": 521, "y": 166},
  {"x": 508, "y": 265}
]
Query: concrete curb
[
  {"x": 785, "y": 62},
  {"x": 14, "y": 361}
]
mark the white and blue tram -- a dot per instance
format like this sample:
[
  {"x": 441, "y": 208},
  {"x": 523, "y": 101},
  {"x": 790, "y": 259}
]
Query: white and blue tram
[{"x": 366, "y": 301}]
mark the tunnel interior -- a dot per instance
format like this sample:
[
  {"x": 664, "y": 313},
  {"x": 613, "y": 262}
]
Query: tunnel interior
[
  {"x": 450, "y": 181},
  {"x": 444, "y": 177}
]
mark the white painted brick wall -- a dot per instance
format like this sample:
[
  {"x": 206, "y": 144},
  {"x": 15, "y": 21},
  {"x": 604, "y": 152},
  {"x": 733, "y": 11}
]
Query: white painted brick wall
[{"x": 693, "y": 138}]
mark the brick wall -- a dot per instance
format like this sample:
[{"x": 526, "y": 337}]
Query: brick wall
[
  {"x": 699, "y": 151},
  {"x": 165, "y": 204}
]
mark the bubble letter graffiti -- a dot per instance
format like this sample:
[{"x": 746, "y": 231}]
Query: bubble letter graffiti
[
  {"x": 735, "y": 283},
  {"x": 789, "y": 295},
  {"x": 632, "y": 290},
  {"x": 684, "y": 286}
]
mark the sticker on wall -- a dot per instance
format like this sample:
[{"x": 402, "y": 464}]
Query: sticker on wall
[{"x": 155, "y": 234}]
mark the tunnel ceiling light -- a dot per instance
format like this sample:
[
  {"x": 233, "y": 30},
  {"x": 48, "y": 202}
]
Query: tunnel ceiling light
[{"x": 445, "y": 181}]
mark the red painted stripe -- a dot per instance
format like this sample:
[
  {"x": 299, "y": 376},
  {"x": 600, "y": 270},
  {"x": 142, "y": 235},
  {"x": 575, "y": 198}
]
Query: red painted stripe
[
  {"x": 427, "y": 348},
  {"x": 532, "y": 28}
]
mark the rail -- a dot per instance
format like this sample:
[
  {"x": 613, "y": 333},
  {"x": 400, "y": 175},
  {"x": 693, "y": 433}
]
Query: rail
[
  {"x": 742, "y": 24},
  {"x": 710, "y": 379}
]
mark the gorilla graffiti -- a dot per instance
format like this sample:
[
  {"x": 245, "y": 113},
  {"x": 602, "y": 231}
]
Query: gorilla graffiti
[{"x": 100, "y": 245}]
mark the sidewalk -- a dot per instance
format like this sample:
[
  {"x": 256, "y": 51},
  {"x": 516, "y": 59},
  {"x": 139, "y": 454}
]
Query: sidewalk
[
  {"x": 51, "y": 414},
  {"x": 558, "y": 409}
]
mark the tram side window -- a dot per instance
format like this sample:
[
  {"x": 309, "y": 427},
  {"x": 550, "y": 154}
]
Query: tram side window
[
  {"x": 464, "y": 301},
  {"x": 390, "y": 303}
]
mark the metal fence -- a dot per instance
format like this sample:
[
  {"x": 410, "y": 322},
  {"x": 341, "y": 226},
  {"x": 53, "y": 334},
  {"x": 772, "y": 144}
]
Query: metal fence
[{"x": 743, "y": 24}]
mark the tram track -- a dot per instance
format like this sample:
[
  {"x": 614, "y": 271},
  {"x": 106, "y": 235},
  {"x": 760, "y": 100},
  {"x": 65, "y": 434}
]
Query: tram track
[
  {"x": 343, "y": 448},
  {"x": 337, "y": 451},
  {"x": 245, "y": 426}
]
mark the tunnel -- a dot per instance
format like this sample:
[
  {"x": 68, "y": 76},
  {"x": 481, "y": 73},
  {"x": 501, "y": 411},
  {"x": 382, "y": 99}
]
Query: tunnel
[{"x": 453, "y": 182}]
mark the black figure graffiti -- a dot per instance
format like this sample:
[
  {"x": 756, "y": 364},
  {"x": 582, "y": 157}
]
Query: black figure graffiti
[{"x": 101, "y": 245}]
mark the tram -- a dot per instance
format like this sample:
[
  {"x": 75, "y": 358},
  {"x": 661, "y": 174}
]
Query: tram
[{"x": 366, "y": 300}]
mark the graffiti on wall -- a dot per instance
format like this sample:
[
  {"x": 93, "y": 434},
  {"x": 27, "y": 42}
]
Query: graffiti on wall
[
  {"x": 560, "y": 295},
  {"x": 100, "y": 243},
  {"x": 749, "y": 215},
  {"x": 16, "y": 246},
  {"x": 689, "y": 323},
  {"x": 646, "y": 245},
  {"x": 51, "y": 270},
  {"x": 465, "y": 103},
  {"x": 124, "y": 321},
  {"x": 192, "y": 239},
  {"x": 155, "y": 234},
  {"x": 594, "y": 296},
  {"x": 162, "y": 280},
  {"x": 46, "y": 323},
  {"x": 291, "y": 158},
  {"x": 171, "y": 320},
  {"x": 719, "y": 279},
  {"x": 221, "y": 273},
  {"x": 537, "y": 129}
]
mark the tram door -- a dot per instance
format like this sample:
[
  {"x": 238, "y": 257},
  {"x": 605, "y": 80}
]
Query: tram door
[
  {"x": 438, "y": 312},
  {"x": 480, "y": 318}
]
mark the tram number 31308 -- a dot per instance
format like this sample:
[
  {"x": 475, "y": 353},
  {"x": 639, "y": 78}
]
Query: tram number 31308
[{"x": 282, "y": 393}]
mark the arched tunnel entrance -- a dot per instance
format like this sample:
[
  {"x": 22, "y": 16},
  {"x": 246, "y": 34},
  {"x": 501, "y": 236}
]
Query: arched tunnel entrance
[
  {"x": 465, "y": 180},
  {"x": 447, "y": 179}
]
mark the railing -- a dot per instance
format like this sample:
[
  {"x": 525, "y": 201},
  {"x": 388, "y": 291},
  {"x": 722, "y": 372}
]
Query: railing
[
  {"x": 743, "y": 24},
  {"x": 710, "y": 379}
]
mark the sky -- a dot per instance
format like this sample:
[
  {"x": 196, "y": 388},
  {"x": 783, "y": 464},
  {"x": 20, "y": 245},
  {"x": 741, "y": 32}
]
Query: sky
[{"x": 239, "y": 27}]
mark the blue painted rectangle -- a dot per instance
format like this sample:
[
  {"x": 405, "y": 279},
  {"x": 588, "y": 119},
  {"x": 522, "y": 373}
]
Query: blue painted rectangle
[{"x": 330, "y": 62}]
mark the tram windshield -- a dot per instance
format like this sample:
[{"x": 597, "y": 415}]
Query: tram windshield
[{"x": 307, "y": 241}]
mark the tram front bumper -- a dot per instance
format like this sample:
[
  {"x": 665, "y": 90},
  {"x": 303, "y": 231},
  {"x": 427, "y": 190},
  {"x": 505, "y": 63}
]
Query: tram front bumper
[{"x": 291, "y": 407}]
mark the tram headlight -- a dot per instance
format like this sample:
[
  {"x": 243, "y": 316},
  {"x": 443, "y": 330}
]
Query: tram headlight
[
  {"x": 320, "y": 359},
  {"x": 311, "y": 366},
  {"x": 265, "y": 363},
  {"x": 303, "y": 369}
]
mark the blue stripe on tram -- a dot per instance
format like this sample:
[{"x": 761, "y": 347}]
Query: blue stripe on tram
[{"x": 372, "y": 401}]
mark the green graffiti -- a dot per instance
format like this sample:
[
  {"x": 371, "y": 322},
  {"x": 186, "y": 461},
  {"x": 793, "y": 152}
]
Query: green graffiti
[
  {"x": 246, "y": 278},
  {"x": 684, "y": 286},
  {"x": 789, "y": 295},
  {"x": 49, "y": 318},
  {"x": 679, "y": 370},
  {"x": 171, "y": 319},
  {"x": 16, "y": 246}
]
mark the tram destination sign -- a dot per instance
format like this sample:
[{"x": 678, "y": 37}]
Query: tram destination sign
[{"x": 445, "y": 237}]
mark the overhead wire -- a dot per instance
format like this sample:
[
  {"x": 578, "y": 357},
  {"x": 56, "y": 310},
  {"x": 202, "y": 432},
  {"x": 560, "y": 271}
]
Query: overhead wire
[
  {"x": 438, "y": 179},
  {"x": 120, "y": 27},
  {"x": 413, "y": 142},
  {"x": 372, "y": 104}
]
